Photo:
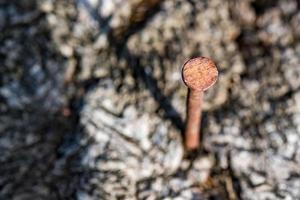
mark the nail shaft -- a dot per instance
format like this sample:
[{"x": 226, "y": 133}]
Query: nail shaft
[{"x": 194, "y": 104}]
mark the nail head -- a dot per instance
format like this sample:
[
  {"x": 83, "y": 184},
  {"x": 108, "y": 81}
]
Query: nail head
[{"x": 199, "y": 73}]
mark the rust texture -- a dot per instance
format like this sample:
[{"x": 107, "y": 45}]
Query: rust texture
[{"x": 198, "y": 74}]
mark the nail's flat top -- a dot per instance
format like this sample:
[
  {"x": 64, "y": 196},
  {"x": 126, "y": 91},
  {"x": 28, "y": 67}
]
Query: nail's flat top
[{"x": 199, "y": 73}]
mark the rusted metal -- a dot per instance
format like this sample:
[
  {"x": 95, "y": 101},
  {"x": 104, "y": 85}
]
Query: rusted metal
[{"x": 198, "y": 74}]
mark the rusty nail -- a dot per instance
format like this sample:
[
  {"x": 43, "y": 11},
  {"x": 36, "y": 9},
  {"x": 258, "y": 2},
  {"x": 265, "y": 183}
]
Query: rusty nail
[{"x": 198, "y": 74}]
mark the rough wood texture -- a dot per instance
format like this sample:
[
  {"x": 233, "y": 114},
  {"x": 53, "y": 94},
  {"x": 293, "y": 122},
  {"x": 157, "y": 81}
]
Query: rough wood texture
[{"x": 91, "y": 100}]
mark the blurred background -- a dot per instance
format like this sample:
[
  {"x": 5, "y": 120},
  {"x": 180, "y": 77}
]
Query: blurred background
[{"x": 92, "y": 105}]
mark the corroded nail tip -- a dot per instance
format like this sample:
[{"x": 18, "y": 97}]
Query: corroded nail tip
[{"x": 199, "y": 73}]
